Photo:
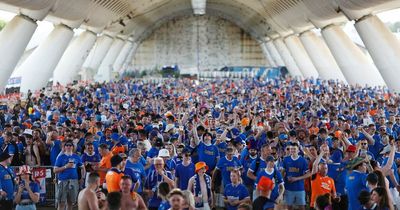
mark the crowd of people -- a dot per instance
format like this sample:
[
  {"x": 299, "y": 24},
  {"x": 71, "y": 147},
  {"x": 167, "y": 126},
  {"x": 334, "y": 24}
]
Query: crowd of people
[{"x": 220, "y": 144}]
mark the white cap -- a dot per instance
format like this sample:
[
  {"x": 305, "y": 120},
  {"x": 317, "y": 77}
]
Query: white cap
[
  {"x": 169, "y": 127},
  {"x": 28, "y": 132},
  {"x": 386, "y": 149},
  {"x": 125, "y": 106},
  {"x": 163, "y": 153}
]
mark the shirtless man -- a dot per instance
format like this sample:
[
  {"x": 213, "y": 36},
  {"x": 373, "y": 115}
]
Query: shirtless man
[
  {"x": 130, "y": 200},
  {"x": 87, "y": 198}
]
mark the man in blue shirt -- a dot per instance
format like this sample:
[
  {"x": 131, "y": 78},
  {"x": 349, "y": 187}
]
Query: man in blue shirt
[
  {"x": 66, "y": 167},
  {"x": 356, "y": 181},
  {"x": 55, "y": 146},
  {"x": 207, "y": 151},
  {"x": 295, "y": 166},
  {"x": 184, "y": 171},
  {"x": 135, "y": 163},
  {"x": 258, "y": 165},
  {"x": 226, "y": 165},
  {"x": 7, "y": 178},
  {"x": 157, "y": 175}
]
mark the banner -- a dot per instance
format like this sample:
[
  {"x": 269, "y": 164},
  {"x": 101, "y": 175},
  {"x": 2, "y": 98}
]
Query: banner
[{"x": 39, "y": 175}]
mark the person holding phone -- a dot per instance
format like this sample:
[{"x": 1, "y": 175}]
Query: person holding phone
[{"x": 28, "y": 190}]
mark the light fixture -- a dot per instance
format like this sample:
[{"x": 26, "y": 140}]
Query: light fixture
[{"x": 199, "y": 7}]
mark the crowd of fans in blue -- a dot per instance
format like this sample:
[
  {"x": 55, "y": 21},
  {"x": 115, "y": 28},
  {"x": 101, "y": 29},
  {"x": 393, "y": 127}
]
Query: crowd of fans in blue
[{"x": 184, "y": 144}]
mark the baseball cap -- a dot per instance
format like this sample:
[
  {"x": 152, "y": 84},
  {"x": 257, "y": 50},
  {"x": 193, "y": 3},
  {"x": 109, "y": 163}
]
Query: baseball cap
[{"x": 163, "y": 153}]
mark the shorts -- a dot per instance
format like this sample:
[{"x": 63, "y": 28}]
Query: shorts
[
  {"x": 297, "y": 198},
  {"x": 67, "y": 190}
]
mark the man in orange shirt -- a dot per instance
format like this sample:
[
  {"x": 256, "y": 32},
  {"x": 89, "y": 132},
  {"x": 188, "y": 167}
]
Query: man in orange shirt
[
  {"x": 320, "y": 182},
  {"x": 105, "y": 163},
  {"x": 114, "y": 175}
]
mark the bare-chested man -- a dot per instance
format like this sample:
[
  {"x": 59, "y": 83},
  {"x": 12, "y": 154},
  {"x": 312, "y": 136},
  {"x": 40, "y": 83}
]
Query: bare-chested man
[
  {"x": 87, "y": 198},
  {"x": 130, "y": 200}
]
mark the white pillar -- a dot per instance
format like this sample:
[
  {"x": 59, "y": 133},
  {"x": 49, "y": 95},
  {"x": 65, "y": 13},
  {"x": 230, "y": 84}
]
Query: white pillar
[
  {"x": 98, "y": 52},
  {"x": 73, "y": 58},
  {"x": 122, "y": 55},
  {"x": 353, "y": 63},
  {"x": 300, "y": 55},
  {"x": 14, "y": 38},
  {"x": 129, "y": 59},
  {"x": 267, "y": 55},
  {"x": 287, "y": 58},
  {"x": 105, "y": 69},
  {"x": 383, "y": 47},
  {"x": 274, "y": 53},
  {"x": 39, "y": 66},
  {"x": 321, "y": 57}
]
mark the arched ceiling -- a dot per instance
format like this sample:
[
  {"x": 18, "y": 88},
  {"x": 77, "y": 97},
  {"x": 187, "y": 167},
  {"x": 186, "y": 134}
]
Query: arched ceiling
[{"x": 259, "y": 18}]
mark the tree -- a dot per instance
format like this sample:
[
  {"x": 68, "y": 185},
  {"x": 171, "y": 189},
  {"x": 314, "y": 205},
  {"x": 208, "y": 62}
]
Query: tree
[{"x": 2, "y": 24}]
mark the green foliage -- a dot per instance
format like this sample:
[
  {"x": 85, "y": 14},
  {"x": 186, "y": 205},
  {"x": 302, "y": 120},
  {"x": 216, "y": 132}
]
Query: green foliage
[
  {"x": 2, "y": 24},
  {"x": 394, "y": 27}
]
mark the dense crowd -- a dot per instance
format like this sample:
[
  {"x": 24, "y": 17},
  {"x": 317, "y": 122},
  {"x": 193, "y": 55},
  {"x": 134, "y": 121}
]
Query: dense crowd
[{"x": 223, "y": 144}]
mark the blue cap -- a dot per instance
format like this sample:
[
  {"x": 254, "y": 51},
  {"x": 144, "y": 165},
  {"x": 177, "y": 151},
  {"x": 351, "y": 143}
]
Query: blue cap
[
  {"x": 283, "y": 136},
  {"x": 240, "y": 138},
  {"x": 114, "y": 136},
  {"x": 235, "y": 131},
  {"x": 219, "y": 131}
]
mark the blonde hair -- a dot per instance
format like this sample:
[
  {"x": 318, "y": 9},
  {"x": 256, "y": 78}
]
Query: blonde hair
[{"x": 189, "y": 198}]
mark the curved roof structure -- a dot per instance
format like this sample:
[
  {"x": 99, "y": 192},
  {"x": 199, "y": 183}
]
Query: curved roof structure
[{"x": 282, "y": 28}]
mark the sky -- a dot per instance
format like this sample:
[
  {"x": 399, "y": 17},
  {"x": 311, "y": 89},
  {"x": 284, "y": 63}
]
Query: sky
[{"x": 45, "y": 27}]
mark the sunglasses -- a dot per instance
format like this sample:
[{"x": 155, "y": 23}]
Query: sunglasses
[
  {"x": 363, "y": 143},
  {"x": 69, "y": 145}
]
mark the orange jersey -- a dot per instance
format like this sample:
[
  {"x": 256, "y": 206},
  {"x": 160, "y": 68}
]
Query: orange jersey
[
  {"x": 321, "y": 185},
  {"x": 105, "y": 162},
  {"x": 113, "y": 177}
]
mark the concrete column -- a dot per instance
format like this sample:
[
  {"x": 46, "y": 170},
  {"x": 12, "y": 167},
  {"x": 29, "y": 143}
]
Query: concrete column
[
  {"x": 353, "y": 63},
  {"x": 14, "y": 38},
  {"x": 267, "y": 55},
  {"x": 105, "y": 69},
  {"x": 73, "y": 58},
  {"x": 383, "y": 47},
  {"x": 122, "y": 55},
  {"x": 300, "y": 55},
  {"x": 129, "y": 59},
  {"x": 321, "y": 57},
  {"x": 39, "y": 66},
  {"x": 274, "y": 53},
  {"x": 98, "y": 52},
  {"x": 287, "y": 58}
]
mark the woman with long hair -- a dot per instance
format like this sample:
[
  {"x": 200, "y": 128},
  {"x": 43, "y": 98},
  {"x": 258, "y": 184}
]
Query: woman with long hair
[{"x": 380, "y": 196}]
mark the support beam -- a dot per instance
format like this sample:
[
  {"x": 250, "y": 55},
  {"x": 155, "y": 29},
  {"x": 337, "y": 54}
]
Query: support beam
[
  {"x": 129, "y": 59},
  {"x": 300, "y": 55},
  {"x": 383, "y": 47},
  {"x": 321, "y": 57},
  {"x": 98, "y": 52},
  {"x": 287, "y": 58},
  {"x": 105, "y": 69},
  {"x": 122, "y": 56},
  {"x": 14, "y": 38},
  {"x": 73, "y": 58},
  {"x": 267, "y": 55},
  {"x": 274, "y": 53},
  {"x": 39, "y": 66},
  {"x": 353, "y": 63}
]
